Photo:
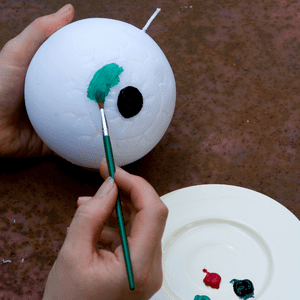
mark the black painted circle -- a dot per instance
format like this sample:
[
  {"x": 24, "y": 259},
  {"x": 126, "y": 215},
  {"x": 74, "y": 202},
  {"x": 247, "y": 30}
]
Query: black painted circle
[{"x": 130, "y": 102}]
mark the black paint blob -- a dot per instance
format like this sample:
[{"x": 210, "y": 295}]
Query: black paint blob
[
  {"x": 243, "y": 288},
  {"x": 130, "y": 102}
]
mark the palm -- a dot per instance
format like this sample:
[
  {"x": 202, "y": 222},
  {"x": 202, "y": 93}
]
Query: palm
[{"x": 17, "y": 136}]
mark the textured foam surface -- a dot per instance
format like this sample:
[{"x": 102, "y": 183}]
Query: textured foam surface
[{"x": 56, "y": 91}]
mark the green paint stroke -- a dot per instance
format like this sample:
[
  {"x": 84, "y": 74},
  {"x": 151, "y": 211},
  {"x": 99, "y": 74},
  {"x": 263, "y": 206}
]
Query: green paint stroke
[
  {"x": 198, "y": 297},
  {"x": 103, "y": 80}
]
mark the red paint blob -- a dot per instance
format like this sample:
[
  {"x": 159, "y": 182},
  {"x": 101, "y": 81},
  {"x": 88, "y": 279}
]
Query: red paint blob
[{"x": 212, "y": 279}]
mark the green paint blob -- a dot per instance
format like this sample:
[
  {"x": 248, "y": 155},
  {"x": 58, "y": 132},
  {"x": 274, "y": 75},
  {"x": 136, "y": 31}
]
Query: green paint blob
[
  {"x": 103, "y": 80},
  {"x": 198, "y": 297}
]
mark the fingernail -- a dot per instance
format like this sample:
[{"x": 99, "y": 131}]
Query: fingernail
[
  {"x": 119, "y": 169},
  {"x": 84, "y": 198},
  {"x": 63, "y": 10},
  {"x": 106, "y": 187},
  {"x": 103, "y": 160}
]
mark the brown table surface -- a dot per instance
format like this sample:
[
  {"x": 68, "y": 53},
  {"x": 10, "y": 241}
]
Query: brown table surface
[{"x": 236, "y": 65}]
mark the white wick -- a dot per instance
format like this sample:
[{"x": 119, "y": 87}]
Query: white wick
[{"x": 151, "y": 19}]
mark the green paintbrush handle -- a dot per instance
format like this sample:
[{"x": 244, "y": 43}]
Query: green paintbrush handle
[
  {"x": 109, "y": 156},
  {"x": 111, "y": 170}
]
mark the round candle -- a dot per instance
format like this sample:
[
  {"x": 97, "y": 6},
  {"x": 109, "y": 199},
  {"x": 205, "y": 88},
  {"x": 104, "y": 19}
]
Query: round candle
[{"x": 139, "y": 104}]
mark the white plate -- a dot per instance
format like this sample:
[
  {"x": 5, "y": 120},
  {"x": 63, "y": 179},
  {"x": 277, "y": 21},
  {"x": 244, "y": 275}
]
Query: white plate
[{"x": 235, "y": 232}]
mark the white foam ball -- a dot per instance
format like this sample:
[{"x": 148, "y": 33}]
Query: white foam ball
[{"x": 56, "y": 91}]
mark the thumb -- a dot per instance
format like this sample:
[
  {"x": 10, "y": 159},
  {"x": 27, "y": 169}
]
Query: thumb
[
  {"x": 21, "y": 49},
  {"x": 90, "y": 218}
]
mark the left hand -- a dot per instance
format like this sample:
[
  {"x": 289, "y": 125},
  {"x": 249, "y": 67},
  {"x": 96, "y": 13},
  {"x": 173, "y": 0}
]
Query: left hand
[{"x": 17, "y": 136}]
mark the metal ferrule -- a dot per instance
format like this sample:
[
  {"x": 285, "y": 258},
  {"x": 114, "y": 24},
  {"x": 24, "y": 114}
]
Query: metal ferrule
[{"x": 104, "y": 123}]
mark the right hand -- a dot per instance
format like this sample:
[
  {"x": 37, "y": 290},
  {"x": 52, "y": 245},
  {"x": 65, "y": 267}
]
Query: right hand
[{"x": 83, "y": 272}]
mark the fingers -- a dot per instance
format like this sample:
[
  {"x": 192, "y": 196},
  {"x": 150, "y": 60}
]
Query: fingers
[
  {"x": 89, "y": 220},
  {"x": 82, "y": 200},
  {"x": 17, "y": 54},
  {"x": 110, "y": 237},
  {"x": 151, "y": 213},
  {"x": 113, "y": 217},
  {"x": 22, "y": 48}
]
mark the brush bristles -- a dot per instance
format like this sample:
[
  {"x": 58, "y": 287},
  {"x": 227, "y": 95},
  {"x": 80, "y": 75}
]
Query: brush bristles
[{"x": 101, "y": 105}]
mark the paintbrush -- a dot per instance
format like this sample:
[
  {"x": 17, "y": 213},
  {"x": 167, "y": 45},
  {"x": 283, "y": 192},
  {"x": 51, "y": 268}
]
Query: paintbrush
[{"x": 99, "y": 87}]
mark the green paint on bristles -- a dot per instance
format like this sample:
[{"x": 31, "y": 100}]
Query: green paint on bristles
[{"x": 103, "y": 80}]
